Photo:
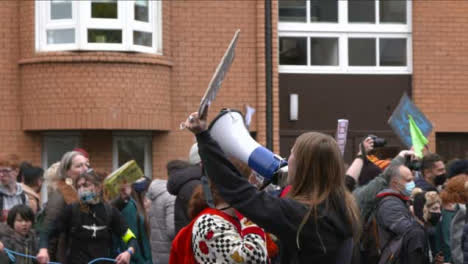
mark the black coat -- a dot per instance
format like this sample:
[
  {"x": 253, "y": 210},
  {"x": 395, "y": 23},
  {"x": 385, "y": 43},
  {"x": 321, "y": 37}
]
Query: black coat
[
  {"x": 181, "y": 183},
  {"x": 85, "y": 243},
  {"x": 319, "y": 240}
]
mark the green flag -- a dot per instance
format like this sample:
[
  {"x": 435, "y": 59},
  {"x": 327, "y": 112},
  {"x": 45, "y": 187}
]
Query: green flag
[{"x": 417, "y": 137}]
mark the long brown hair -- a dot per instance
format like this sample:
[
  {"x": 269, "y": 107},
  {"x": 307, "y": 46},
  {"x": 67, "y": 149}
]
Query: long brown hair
[{"x": 320, "y": 177}]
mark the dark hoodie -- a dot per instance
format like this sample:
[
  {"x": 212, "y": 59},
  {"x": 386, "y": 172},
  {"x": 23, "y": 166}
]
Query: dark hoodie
[
  {"x": 181, "y": 183},
  {"x": 319, "y": 239}
]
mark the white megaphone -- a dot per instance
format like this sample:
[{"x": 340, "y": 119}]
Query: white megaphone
[{"x": 229, "y": 130}]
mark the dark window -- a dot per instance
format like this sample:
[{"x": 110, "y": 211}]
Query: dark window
[
  {"x": 361, "y": 51},
  {"x": 293, "y": 51},
  {"x": 361, "y": 11},
  {"x": 392, "y": 52}
]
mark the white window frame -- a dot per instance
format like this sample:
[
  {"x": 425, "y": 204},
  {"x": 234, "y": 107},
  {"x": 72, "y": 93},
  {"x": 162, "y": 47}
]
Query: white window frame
[
  {"x": 343, "y": 30},
  {"x": 82, "y": 21},
  {"x": 47, "y": 136},
  {"x": 148, "y": 149}
]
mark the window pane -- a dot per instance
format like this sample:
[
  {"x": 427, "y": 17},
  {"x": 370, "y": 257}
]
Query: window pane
[
  {"x": 323, "y": 10},
  {"x": 361, "y": 11},
  {"x": 104, "y": 9},
  {"x": 393, "y": 11},
  {"x": 293, "y": 51},
  {"x": 131, "y": 149},
  {"x": 392, "y": 52},
  {"x": 361, "y": 51},
  {"x": 61, "y": 36},
  {"x": 292, "y": 11},
  {"x": 324, "y": 51},
  {"x": 141, "y": 10},
  {"x": 60, "y": 9},
  {"x": 104, "y": 36},
  {"x": 142, "y": 38},
  {"x": 56, "y": 146}
]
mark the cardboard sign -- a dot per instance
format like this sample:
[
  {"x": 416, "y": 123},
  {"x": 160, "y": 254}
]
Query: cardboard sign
[
  {"x": 219, "y": 74},
  {"x": 400, "y": 124},
  {"x": 342, "y": 134},
  {"x": 127, "y": 173}
]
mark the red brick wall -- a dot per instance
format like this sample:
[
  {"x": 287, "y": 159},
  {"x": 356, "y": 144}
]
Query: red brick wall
[
  {"x": 95, "y": 96},
  {"x": 200, "y": 33},
  {"x": 106, "y": 90},
  {"x": 440, "y": 63},
  {"x": 12, "y": 138}
]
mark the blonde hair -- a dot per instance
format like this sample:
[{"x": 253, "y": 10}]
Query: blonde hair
[
  {"x": 51, "y": 176},
  {"x": 432, "y": 198},
  {"x": 414, "y": 192},
  {"x": 320, "y": 177}
]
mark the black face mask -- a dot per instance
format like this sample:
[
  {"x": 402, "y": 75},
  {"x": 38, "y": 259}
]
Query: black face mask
[
  {"x": 439, "y": 179},
  {"x": 434, "y": 218}
]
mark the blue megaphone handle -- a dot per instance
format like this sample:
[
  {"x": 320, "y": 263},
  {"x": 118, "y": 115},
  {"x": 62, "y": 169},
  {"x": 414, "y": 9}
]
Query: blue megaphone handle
[{"x": 264, "y": 162}]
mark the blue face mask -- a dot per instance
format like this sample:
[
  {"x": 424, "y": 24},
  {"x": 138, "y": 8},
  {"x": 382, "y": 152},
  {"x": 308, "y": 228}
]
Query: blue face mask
[
  {"x": 87, "y": 196},
  {"x": 409, "y": 186}
]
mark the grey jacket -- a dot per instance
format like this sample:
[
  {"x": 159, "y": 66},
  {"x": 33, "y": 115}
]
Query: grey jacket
[
  {"x": 365, "y": 195},
  {"x": 465, "y": 244},
  {"x": 456, "y": 233},
  {"x": 161, "y": 217},
  {"x": 10, "y": 200}
]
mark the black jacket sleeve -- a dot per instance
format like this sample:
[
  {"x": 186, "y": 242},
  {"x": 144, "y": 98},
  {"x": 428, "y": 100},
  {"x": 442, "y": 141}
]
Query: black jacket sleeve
[
  {"x": 276, "y": 215},
  {"x": 56, "y": 227}
]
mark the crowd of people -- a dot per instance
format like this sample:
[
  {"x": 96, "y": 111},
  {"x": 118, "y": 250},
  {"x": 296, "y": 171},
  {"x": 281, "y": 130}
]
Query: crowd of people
[{"x": 211, "y": 209}]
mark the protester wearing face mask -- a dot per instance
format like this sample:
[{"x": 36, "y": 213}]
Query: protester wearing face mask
[
  {"x": 90, "y": 223},
  {"x": 395, "y": 219},
  {"x": 433, "y": 173},
  {"x": 72, "y": 164},
  {"x": 427, "y": 209}
]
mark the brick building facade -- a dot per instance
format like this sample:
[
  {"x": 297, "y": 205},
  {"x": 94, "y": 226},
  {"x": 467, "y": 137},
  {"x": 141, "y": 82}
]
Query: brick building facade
[
  {"x": 440, "y": 72},
  {"x": 92, "y": 99},
  {"x": 97, "y": 99},
  {"x": 342, "y": 59}
]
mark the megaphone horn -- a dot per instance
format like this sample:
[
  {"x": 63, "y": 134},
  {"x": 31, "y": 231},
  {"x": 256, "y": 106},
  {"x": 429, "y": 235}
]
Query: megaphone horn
[{"x": 229, "y": 130}]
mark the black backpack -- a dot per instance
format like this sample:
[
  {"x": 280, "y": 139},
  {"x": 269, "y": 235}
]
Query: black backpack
[
  {"x": 371, "y": 252},
  {"x": 370, "y": 243}
]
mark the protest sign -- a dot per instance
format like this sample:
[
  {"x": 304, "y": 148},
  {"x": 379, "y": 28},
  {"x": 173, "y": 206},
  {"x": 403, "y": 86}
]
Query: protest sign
[
  {"x": 399, "y": 121},
  {"x": 127, "y": 173},
  {"x": 219, "y": 75},
  {"x": 341, "y": 134}
]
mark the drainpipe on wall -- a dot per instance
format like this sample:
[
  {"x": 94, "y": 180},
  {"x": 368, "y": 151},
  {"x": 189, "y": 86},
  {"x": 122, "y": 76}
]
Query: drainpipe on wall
[{"x": 268, "y": 76}]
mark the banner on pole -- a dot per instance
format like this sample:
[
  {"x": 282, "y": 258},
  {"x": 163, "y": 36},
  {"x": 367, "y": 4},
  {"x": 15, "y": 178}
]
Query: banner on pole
[{"x": 399, "y": 121}]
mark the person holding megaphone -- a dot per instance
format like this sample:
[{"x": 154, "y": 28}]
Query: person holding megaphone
[{"x": 317, "y": 222}]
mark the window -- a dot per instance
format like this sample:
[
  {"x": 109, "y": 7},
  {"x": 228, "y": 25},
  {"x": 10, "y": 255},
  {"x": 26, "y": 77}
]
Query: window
[
  {"x": 55, "y": 144},
  {"x": 133, "y": 146},
  {"x": 120, "y": 25},
  {"x": 345, "y": 36}
]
